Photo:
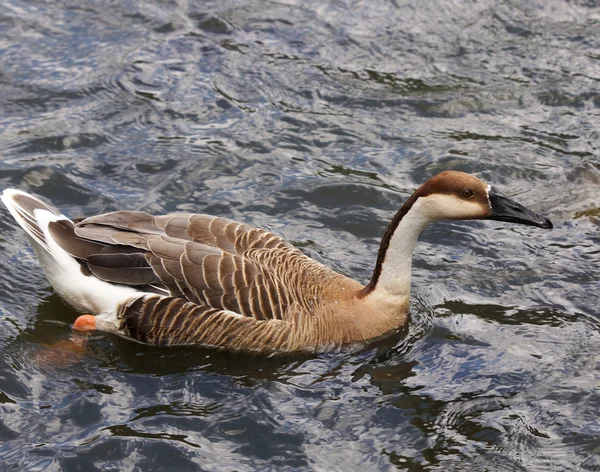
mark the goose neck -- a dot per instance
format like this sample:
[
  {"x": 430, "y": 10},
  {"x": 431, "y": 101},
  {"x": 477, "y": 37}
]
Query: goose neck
[{"x": 392, "y": 275}]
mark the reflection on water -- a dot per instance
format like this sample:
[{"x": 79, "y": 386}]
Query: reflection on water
[{"x": 315, "y": 120}]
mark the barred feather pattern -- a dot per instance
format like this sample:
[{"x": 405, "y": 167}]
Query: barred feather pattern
[
  {"x": 216, "y": 282},
  {"x": 173, "y": 321}
]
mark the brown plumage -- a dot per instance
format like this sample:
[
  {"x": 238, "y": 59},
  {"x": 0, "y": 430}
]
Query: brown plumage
[
  {"x": 199, "y": 279},
  {"x": 226, "y": 284}
]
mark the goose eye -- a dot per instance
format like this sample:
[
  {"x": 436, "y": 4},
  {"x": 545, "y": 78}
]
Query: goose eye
[{"x": 467, "y": 193}]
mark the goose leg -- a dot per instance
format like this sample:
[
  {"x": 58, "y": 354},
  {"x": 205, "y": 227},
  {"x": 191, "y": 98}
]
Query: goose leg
[
  {"x": 61, "y": 354},
  {"x": 85, "y": 323}
]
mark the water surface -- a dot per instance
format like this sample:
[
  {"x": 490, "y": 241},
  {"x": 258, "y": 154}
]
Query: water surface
[{"x": 315, "y": 120}]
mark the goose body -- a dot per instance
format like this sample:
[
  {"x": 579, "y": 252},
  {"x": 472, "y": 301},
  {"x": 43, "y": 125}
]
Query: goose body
[{"x": 198, "y": 279}]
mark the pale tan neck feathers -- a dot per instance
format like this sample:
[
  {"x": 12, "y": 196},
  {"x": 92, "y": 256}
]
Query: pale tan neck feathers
[{"x": 392, "y": 274}]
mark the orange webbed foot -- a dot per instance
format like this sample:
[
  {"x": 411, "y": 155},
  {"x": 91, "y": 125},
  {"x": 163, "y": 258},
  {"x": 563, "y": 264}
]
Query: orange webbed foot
[
  {"x": 61, "y": 354},
  {"x": 85, "y": 323}
]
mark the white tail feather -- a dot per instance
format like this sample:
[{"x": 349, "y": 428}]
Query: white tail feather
[
  {"x": 23, "y": 213},
  {"x": 85, "y": 293}
]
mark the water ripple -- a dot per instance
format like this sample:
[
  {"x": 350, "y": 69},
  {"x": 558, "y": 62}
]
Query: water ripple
[{"x": 315, "y": 120}]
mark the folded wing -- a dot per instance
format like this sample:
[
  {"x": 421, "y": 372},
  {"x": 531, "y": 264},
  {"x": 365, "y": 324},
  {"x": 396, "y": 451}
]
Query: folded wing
[{"x": 208, "y": 261}]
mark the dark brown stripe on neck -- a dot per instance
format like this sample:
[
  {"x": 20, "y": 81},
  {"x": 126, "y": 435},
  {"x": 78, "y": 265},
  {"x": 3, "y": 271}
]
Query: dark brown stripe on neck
[{"x": 385, "y": 242}]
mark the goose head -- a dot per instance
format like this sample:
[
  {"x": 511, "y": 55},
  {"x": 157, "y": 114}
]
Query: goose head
[
  {"x": 453, "y": 195},
  {"x": 450, "y": 195}
]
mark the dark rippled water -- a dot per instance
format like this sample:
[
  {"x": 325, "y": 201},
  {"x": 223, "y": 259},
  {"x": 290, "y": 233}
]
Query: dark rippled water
[{"x": 316, "y": 120}]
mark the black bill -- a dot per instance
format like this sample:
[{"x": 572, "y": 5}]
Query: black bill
[{"x": 505, "y": 209}]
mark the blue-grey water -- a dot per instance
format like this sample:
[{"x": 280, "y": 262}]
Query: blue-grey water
[{"x": 316, "y": 120}]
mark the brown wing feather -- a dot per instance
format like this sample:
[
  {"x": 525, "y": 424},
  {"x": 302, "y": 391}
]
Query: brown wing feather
[
  {"x": 206, "y": 260},
  {"x": 63, "y": 232},
  {"x": 130, "y": 269}
]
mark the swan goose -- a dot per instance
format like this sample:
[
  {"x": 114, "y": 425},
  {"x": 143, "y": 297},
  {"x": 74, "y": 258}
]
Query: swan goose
[{"x": 187, "y": 278}]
